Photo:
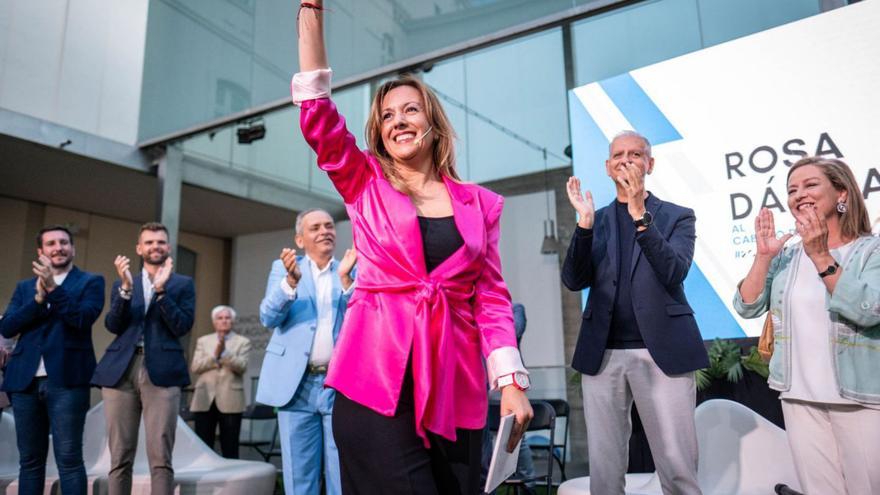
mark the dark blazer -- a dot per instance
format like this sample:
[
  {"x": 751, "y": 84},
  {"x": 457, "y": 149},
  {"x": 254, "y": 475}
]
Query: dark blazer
[
  {"x": 59, "y": 330},
  {"x": 165, "y": 321},
  {"x": 661, "y": 259}
]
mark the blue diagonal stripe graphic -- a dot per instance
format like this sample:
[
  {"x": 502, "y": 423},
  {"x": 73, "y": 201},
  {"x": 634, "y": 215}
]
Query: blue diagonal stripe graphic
[
  {"x": 639, "y": 109},
  {"x": 713, "y": 317},
  {"x": 590, "y": 149}
]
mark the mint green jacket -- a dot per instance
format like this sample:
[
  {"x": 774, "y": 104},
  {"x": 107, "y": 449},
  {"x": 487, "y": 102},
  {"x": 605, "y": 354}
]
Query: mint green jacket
[{"x": 854, "y": 311}]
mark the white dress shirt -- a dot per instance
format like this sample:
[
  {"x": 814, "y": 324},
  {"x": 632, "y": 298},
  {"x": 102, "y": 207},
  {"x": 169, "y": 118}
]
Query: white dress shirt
[
  {"x": 322, "y": 345},
  {"x": 148, "y": 290}
]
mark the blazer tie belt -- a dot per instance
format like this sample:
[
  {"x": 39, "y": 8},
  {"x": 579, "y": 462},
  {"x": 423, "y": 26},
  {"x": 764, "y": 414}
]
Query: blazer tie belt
[{"x": 433, "y": 352}]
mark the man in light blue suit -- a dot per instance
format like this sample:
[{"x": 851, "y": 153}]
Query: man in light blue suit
[{"x": 305, "y": 302}]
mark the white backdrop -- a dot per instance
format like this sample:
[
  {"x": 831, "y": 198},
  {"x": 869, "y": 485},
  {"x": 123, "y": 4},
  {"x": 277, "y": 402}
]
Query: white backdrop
[{"x": 727, "y": 122}]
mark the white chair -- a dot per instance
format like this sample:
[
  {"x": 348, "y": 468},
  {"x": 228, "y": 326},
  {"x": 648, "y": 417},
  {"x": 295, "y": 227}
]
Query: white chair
[
  {"x": 741, "y": 453},
  {"x": 197, "y": 468},
  {"x": 8, "y": 452}
]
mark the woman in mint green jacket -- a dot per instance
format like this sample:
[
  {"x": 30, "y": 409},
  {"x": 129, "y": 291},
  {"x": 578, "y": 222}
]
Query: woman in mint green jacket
[{"x": 823, "y": 294}]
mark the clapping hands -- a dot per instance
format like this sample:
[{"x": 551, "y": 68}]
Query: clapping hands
[
  {"x": 345, "y": 266},
  {"x": 768, "y": 244},
  {"x": 42, "y": 268},
  {"x": 288, "y": 257},
  {"x": 123, "y": 269},
  {"x": 582, "y": 203}
]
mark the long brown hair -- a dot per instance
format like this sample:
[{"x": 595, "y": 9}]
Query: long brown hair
[
  {"x": 855, "y": 222},
  {"x": 443, "y": 146}
]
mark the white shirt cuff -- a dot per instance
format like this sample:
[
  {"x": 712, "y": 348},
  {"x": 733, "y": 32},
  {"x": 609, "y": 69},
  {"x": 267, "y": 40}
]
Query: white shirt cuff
[
  {"x": 310, "y": 85},
  {"x": 290, "y": 291},
  {"x": 350, "y": 288},
  {"x": 504, "y": 361}
]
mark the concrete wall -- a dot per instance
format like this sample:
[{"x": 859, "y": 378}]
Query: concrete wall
[
  {"x": 78, "y": 63},
  {"x": 533, "y": 280},
  {"x": 98, "y": 239}
]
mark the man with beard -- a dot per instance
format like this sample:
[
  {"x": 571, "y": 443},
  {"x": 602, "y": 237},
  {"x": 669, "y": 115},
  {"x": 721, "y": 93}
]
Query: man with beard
[
  {"x": 305, "y": 301},
  {"x": 144, "y": 367},
  {"x": 49, "y": 370}
]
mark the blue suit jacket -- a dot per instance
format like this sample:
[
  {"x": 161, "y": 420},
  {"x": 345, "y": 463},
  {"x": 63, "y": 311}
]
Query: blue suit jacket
[
  {"x": 294, "y": 323},
  {"x": 60, "y": 330},
  {"x": 661, "y": 258},
  {"x": 164, "y": 323}
]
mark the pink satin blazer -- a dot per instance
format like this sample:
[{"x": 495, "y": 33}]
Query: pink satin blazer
[{"x": 448, "y": 320}]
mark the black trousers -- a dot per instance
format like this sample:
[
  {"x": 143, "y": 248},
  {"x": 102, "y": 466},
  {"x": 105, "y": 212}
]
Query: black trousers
[
  {"x": 384, "y": 455},
  {"x": 230, "y": 428}
]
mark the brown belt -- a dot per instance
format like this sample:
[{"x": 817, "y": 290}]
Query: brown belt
[{"x": 317, "y": 370}]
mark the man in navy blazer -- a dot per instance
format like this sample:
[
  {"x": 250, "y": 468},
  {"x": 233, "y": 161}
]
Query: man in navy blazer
[
  {"x": 638, "y": 340},
  {"x": 305, "y": 301},
  {"x": 48, "y": 373},
  {"x": 144, "y": 367}
]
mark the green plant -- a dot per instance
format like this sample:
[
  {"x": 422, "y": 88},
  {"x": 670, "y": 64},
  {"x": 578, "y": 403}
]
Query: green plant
[
  {"x": 753, "y": 362},
  {"x": 725, "y": 362}
]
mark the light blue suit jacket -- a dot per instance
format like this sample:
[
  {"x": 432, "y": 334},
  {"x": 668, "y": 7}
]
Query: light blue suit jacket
[{"x": 294, "y": 322}]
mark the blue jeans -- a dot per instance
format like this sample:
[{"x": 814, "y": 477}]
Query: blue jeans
[
  {"x": 307, "y": 445},
  {"x": 42, "y": 409}
]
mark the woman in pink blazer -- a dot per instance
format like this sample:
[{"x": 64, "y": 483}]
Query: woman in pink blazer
[{"x": 430, "y": 303}]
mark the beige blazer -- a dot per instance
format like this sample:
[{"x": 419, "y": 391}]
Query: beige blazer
[{"x": 220, "y": 381}]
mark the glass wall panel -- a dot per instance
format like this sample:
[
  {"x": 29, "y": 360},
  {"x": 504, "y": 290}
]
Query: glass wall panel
[
  {"x": 653, "y": 31},
  {"x": 723, "y": 20},
  {"x": 208, "y": 58},
  {"x": 507, "y": 104},
  {"x": 632, "y": 37},
  {"x": 283, "y": 154}
]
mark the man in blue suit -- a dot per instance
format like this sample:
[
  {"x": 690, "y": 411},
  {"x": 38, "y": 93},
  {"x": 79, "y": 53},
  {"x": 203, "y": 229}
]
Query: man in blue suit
[
  {"x": 639, "y": 340},
  {"x": 144, "y": 367},
  {"x": 306, "y": 298},
  {"x": 48, "y": 373}
]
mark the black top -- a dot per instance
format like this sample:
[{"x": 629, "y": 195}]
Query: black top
[
  {"x": 624, "y": 331},
  {"x": 440, "y": 238}
]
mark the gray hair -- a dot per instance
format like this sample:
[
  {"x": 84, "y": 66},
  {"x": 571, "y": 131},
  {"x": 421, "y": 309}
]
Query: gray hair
[
  {"x": 302, "y": 215},
  {"x": 219, "y": 309},
  {"x": 628, "y": 133}
]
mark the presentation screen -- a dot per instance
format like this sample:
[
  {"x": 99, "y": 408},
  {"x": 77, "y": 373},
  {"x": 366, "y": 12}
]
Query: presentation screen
[{"x": 727, "y": 122}]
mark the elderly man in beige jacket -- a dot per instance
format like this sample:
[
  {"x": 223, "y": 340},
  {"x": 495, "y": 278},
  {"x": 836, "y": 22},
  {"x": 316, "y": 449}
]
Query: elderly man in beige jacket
[{"x": 220, "y": 360}]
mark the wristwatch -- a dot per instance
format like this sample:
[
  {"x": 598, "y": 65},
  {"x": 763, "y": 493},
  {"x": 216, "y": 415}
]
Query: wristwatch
[
  {"x": 831, "y": 270},
  {"x": 646, "y": 220},
  {"x": 519, "y": 380}
]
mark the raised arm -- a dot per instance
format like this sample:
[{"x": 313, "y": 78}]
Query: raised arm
[
  {"x": 322, "y": 126},
  {"x": 275, "y": 304},
  {"x": 312, "y": 51},
  {"x": 768, "y": 247},
  {"x": 577, "y": 269}
]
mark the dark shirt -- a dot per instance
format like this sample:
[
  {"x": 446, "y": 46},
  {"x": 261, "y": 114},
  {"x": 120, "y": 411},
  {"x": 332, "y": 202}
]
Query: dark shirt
[
  {"x": 440, "y": 239},
  {"x": 624, "y": 332}
]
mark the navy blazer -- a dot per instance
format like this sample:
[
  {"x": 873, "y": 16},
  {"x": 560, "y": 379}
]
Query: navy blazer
[
  {"x": 165, "y": 321},
  {"x": 59, "y": 330},
  {"x": 661, "y": 258}
]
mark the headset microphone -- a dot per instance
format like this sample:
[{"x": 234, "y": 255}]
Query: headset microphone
[{"x": 419, "y": 139}]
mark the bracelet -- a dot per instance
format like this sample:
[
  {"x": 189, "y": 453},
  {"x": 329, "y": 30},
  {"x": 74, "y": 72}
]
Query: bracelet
[{"x": 307, "y": 5}]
